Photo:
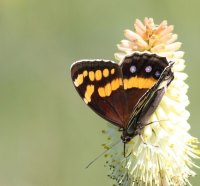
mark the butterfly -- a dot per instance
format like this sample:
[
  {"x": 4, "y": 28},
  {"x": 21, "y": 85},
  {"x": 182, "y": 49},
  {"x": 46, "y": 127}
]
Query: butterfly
[{"x": 124, "y": 94}]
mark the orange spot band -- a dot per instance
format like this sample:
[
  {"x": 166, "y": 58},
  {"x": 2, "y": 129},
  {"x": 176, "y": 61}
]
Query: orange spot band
[{"x": 138, "y": 82}]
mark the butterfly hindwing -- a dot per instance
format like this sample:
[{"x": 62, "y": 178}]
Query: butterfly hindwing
[
  {"x": 149, "y": 102},
  {"x": 140, "y": 73}
]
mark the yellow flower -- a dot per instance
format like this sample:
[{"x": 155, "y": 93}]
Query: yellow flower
[{"x": 165, "y": 159}]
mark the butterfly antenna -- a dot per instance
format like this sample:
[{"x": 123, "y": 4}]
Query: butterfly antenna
[
  {"x": 124, "y": 150},
  {"x": 104, "y": 152},
  {"x": 127, "y": 177}
]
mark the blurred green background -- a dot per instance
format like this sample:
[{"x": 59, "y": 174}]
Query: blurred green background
[{"x": 47, "y": 134}]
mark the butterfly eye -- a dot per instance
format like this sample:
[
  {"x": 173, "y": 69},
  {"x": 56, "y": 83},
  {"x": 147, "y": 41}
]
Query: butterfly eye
[
  {"x": 133, "y": 69},
  {"x": 148, "y": 69}
]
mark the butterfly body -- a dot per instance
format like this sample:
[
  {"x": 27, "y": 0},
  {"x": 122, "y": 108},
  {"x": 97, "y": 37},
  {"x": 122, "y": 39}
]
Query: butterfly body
[{"x": 124, "y": 94}]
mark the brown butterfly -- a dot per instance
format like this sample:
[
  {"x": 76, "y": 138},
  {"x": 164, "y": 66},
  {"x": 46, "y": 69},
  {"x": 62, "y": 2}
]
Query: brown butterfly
[{"x": 124, "y": 94}]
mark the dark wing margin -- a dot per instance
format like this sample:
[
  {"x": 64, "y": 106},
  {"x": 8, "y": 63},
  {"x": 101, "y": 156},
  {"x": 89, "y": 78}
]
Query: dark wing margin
[{"x": 99, "y": 84}]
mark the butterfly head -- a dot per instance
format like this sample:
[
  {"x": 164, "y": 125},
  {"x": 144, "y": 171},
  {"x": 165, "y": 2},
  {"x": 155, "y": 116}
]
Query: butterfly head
[
  {"x": 127, "y": 135},
  {"x": 125, "y": 139}
]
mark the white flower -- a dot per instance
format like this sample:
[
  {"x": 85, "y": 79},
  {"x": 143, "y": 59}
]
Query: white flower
[{"x": 166, "y": 157}]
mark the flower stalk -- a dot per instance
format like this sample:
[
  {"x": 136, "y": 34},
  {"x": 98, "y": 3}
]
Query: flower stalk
[{"x": 166, "y": 156}]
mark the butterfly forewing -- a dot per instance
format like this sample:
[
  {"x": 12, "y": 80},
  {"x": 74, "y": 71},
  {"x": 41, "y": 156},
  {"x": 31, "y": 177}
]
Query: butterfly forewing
[{"x": 99, "y": 83}]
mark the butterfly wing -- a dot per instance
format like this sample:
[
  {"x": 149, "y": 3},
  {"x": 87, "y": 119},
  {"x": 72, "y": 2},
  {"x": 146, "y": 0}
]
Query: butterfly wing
[
  {"x": 149, "y": 101},
  {"x": 99, "y": 83},
  {"x": 140, "y": 73},
  {"x": 118, "y": 93}
]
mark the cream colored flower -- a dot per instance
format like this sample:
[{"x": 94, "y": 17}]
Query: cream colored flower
[{"x": 166, "y": 159}]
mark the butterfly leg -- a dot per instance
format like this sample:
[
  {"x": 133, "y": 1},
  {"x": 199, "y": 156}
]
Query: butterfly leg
[
  {"x": 142, "y": 139},
  {"x": 145, "y": 124},
  {"x": 147, "y": 144}
]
